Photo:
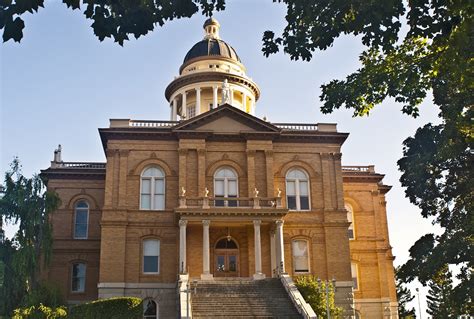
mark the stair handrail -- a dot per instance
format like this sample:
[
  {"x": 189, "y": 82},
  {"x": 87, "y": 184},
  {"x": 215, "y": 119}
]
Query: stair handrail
[{"x": 301, "y": 305}]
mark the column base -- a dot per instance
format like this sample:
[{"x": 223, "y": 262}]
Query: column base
[
  {"x": 207, "y": 277},
  {"x": 258, "y": 276}
]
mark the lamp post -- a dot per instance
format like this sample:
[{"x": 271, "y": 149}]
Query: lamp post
[{"x": 419, "y": 305}]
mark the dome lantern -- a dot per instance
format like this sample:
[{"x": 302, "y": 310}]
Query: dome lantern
[{"x": 211, "y": 28}]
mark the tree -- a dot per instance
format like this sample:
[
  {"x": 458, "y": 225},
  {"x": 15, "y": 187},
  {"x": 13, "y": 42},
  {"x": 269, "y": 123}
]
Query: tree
[
  {"x": 439, "y": 295},
  {"x": 313, "y": 291},
  {"x": 25, "y": 203},
  {"x": 404, "y": 296}
]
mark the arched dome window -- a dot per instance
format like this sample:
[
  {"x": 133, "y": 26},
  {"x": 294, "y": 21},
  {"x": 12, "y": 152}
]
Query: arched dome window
[
  {"x": 297, "y": 189},
  {"x": 152, "y": 189},
  {"x": 81, "y": 220},
  {"x": 225, "y": 185}
]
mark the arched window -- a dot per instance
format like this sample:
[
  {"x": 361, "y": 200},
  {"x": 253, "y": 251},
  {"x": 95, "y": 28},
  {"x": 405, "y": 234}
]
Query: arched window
[
  {"x": 81, "y": 219},
  {"x": 151, "y": 256},
  {"x": 78, "y": 278},
  {"x": 152, "y": 189},
  {"x": 350, "y": 219},
  {"x": 225, "y": 185},
  {"x": 300, "y": 256},
  {"x": 355, "y": 275},
  {"x": 297, "y": 190},
  {"x": 150, "y": 309}
]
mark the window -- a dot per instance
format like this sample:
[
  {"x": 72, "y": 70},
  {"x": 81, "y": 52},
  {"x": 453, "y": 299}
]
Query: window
[
  {"x": 225, "y": 185},
  {"x": 152, "y": 189},
  {"x": 151, "y": 256},
  {"x": 350, "y": 218},
  {"x": 300, "y": 256},
  {"x": 150, "y": 309},
  {"x": 355, "y": 276},
  {"x": 78, "y": 283},
  {"x": 191, "y": 111},
  {"x": 297, "y": 190},
  {"x": 81, "y": 219}
]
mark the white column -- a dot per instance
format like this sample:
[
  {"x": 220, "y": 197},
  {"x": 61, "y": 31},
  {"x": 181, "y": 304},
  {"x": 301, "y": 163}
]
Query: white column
[
  {"x": 214, "y": 97},
  {"x": 231, "y": 96},
  {"x": 182, "y": 246},
  {"x": 244, "y": 101},
  {"x": 198, "y": 101},
  {"x": 183, "y": 105},
  {"x": 252, "y": 106},
  {"x": 280, "y": 248},
  {"x": 206, "y": 275},
  {"x": 174, "y": 110},
  {"x": 272, "y": 252},
  {"x": 258, "y": 250}
]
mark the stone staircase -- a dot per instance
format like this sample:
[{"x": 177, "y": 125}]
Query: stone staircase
[{"x": 241, "y": 298}]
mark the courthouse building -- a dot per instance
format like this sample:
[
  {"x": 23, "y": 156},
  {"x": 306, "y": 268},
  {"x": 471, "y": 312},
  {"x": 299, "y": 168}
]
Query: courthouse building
[{"x": 219, "y": 196}]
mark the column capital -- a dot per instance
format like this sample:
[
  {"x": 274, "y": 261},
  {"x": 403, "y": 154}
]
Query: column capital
[
  {"x": 257, "y": 222},
  {"x": 279, "y": 222},
  {"x": 184, "y": 93},
  {"x": 183, "y": 222},
  {"x": 198, "y": 89},
  {"x": 206, "y": 222}
]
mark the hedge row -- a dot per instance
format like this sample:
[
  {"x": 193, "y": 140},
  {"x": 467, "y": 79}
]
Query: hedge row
[{"x": 112, "y": 308}]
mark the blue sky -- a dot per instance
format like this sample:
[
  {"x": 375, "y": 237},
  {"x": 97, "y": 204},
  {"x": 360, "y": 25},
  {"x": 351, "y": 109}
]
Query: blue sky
[{"x": 61, "y": 84}]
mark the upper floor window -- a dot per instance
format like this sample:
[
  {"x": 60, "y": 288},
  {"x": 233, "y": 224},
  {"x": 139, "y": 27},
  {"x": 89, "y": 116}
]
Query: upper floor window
[
  {"x": 297, "y": 190},
  {"x": 225, "y": 185},
  {"x": 150, "y": 309},
  {"x": 350, "y": 219},
  {"x": 81, "y": 219},
  {"x": 355, "y": 276},
  {"x": 300, "y": 255},
  {"x": 151, "y": 256},
  {"x": 78, "y": 282},
  {"x": 152, "y": 189}
]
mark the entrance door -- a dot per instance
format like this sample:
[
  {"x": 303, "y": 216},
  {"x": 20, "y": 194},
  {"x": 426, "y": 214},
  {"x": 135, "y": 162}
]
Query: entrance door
[{"x": 226, "y": 261}]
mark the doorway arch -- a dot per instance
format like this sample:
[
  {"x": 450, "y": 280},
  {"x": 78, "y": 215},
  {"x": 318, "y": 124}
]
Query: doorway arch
[{"x": 226, "y": 258}]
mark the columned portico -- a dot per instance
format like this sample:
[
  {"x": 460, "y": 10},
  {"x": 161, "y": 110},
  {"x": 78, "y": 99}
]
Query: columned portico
[{"x": 206, "y": 272}]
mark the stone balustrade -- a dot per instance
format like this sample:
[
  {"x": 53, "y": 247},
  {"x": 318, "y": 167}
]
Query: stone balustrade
[{"x": 230, "y": 202}]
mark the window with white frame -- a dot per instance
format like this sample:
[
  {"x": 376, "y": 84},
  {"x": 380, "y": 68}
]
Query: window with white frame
[
  {"x": 151, "y": 256},
  {"x": 355, "y": 275},
  {"x": 152, "y": 189},
  {"x": 225, "y": 185},
  {"x": 191, "y": 111},
  {"x": 78, "y": 278},
  {"x": 150, "y": 309},
  {"x": 300, "y": 256},
  {"x": 81, "y": 219},
  {"x": 350, "y": 219},
  {"x": 297, "y": 190}
]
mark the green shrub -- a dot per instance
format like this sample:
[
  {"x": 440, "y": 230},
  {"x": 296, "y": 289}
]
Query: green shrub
[
  {"x": 39, "y": 312},
  {"x": 112, "y": 308},
  {"x": 314, "y": 292}
]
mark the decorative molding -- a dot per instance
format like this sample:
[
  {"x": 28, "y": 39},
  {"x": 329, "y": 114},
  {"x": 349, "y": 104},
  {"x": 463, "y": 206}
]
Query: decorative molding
[
  {"x": 201, "y": 152},
  {"x": 225, "y": 156},
  {"x": 182, "y": 151},
  {"x": 153, "y": 155},
  {"x": 337, "y": 156},
  {"x": 270, "y": 153},
  {"x": 296, "y": 158},
  {"x": 124, "y": 153},
  {"x": 251, "y": 152}
]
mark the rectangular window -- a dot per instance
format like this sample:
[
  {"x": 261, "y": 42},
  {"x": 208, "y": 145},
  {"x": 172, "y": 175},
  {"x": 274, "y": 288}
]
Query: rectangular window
[
  {"x": 159, "y": 198},
  {"x": 355, "y": 276},
  {"x": 191, "y": 111},
  {"x": 78, "y": 278},
  {"x": 151, "y": 256},
  {"x": 291, "y": 194},
  {"x": 300, "y": 256},
  {"x": 80, "y": 226},
  {"x": 146, "y": 194}
]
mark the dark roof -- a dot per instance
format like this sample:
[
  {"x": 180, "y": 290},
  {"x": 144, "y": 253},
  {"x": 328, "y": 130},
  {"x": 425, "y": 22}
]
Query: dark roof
[{"x": 211, "y": 47}]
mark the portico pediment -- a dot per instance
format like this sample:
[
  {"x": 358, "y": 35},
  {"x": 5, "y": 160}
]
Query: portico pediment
[{"x": 226, "y": 119}]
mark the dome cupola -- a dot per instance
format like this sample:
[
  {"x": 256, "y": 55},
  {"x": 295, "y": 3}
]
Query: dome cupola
[{"x": 206, "y": 66}]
